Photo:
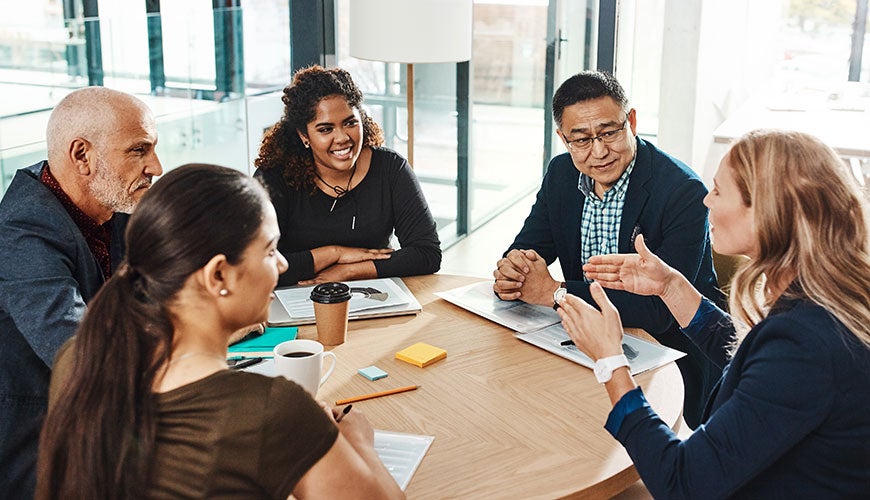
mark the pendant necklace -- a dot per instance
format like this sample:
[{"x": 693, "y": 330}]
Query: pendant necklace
[{"x": 339, "y": 191}]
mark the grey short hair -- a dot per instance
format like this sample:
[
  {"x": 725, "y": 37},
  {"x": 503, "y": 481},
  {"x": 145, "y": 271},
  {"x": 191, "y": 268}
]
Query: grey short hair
[{"x": 90, "y": 113}]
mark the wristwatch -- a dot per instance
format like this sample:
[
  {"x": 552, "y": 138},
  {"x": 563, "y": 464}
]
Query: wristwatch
[
  {"x": 559, "y": 294},
  {"x": 604, "y": 367}
]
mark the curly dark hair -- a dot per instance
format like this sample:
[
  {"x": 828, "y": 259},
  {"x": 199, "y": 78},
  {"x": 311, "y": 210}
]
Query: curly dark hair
[{"x": 282, "y": 147}]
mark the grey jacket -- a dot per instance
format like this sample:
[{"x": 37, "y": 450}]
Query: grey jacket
[{"x": 47, "y": 275}]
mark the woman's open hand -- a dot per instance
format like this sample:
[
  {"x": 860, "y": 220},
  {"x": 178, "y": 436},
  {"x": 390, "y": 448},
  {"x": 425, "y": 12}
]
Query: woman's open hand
[
  {"x": 597, "y": 333},
  {"x": 642, "y": 273}
]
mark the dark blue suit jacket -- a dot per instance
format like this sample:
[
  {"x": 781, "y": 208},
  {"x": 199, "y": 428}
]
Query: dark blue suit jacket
[
  {"x": 47, "y": 275},
  {"x": 789, "y": 420},
  {"x": 664, "y": 202}
]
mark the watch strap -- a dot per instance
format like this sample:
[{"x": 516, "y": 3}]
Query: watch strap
[{"x": 604, "y": 367}]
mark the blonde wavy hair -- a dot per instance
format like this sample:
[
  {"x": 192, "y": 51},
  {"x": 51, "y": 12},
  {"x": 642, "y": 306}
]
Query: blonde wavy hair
[{"x": 812, "y": 224}]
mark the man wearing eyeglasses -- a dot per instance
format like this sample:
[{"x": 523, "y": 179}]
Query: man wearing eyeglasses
[{"x": 596, "y": 199}]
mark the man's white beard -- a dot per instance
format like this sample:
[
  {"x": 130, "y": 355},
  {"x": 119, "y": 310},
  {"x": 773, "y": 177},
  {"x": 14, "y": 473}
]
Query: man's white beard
[{"x": 109, "y": 189}]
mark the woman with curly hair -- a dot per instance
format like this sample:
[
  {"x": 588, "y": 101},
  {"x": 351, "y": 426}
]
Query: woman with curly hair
[
  {"x": 789, "y": 416},
  {"x": 338, "y": 194}
]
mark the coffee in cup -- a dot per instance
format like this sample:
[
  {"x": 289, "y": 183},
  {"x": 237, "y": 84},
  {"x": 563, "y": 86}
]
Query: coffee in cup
[
  {"x": 301, "y": 361},
  {"x": 331, "y": 302},
  {"x": 299, "y": 354}
]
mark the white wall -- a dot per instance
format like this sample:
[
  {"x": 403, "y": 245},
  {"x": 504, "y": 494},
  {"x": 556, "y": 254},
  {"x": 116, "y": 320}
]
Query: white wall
[
  {"x": 688, "y": 64},
  {"x": 737, "y": 51}
]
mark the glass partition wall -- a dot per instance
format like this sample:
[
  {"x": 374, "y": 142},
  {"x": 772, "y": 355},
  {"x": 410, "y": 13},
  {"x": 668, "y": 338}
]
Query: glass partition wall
[
  {"x": 482, "y": 136},
  {"x": 212, "y": 72},
  {"x": 187, "y": 60}
]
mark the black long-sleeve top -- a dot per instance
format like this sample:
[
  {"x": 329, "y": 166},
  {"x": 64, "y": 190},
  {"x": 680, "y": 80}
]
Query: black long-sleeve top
[{"x": 387, "y": 199}]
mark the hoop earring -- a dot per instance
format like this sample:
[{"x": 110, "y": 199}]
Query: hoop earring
[
  {"x": 305, "y": 143},
  {"x": 224, "y": 292}
]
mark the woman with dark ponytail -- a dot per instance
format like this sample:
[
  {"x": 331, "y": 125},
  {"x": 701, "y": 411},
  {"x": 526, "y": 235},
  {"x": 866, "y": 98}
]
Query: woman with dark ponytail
[{"x": 142, "y": 403}]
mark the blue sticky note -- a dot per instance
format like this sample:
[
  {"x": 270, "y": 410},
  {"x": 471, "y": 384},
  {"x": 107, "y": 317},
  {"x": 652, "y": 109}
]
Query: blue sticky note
[{"x": 372, "y": 373}]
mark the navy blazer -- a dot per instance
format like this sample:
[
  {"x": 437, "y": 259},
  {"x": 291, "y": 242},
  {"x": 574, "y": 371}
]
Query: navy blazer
[
  {"x": 789, "y": 420},
  {"x": 664, "y": 202},
  {"x": 47, "y": 275}
]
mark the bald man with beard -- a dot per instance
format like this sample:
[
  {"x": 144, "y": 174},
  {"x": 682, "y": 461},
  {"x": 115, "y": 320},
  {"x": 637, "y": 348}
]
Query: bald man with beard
[{"x": 62, "y": 227}]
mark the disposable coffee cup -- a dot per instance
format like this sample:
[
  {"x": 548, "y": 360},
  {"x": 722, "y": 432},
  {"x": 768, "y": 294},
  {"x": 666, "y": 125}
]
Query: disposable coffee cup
[
  {"x": 331, "y": 302},
  {"x": 301, "y": 361}
]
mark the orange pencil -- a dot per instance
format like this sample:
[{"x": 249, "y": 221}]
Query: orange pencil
[{"x": 376, "y": 395}]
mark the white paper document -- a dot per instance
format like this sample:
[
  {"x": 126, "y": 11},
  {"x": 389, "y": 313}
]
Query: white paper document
[
  {"x": 369, "y": 299},
  {"x": 514, "y": 314},
  {"x": 542, "y": 327},
  {"x": 642, "y": 355},
  {"x": 401, "y": 453}
]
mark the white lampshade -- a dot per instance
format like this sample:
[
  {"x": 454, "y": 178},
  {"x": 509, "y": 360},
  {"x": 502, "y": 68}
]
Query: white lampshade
[{"x": 411, "y": 31}]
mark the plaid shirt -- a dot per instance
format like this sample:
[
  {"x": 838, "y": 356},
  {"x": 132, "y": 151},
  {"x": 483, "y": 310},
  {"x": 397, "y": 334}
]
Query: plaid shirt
[{"x": 599, "y": 227}]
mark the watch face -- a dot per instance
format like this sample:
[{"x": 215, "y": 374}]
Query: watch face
[
  {"x": 602, "y": 371},
  {"x": 599, "y": 371},
  {"x": 603, "y": 368},
  {"x": 560, "y": 294}
]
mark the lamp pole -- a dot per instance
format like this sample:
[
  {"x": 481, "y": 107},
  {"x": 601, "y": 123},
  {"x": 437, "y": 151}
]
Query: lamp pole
[{"x": 410, "y": 85}]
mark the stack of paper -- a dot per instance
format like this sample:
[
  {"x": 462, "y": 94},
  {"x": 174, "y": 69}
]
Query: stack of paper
[{"x": 369, "y": 299}]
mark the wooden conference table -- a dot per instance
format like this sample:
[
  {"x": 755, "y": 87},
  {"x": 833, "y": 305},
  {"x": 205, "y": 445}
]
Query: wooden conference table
[{"x": 509, "y": 419}]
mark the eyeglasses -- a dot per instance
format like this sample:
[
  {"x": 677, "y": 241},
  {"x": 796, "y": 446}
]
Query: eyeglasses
[{"x": 585, "y": 143}]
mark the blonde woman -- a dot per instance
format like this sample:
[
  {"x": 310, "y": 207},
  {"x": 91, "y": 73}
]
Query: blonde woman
[{"x": 790, "y": 417}]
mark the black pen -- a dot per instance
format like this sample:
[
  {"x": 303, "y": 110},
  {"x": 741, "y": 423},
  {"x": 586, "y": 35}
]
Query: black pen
[
  {"x": 343, "y": 412},
  {"x": 244, "y": 363},
  {"x": 629, "y": 351}
]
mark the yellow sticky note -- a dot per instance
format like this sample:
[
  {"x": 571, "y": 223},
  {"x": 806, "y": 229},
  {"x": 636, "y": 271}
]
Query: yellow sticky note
[{"x": 421, "y": 354}]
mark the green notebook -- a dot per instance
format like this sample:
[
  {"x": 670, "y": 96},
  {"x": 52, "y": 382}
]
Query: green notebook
[{"x": 262, "y": 345}]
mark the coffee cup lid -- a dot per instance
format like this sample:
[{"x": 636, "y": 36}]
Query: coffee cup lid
[{"x": 330, "y": 293}]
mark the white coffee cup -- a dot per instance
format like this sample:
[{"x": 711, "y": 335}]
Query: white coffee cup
[{"x": 301, "y": 361}]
